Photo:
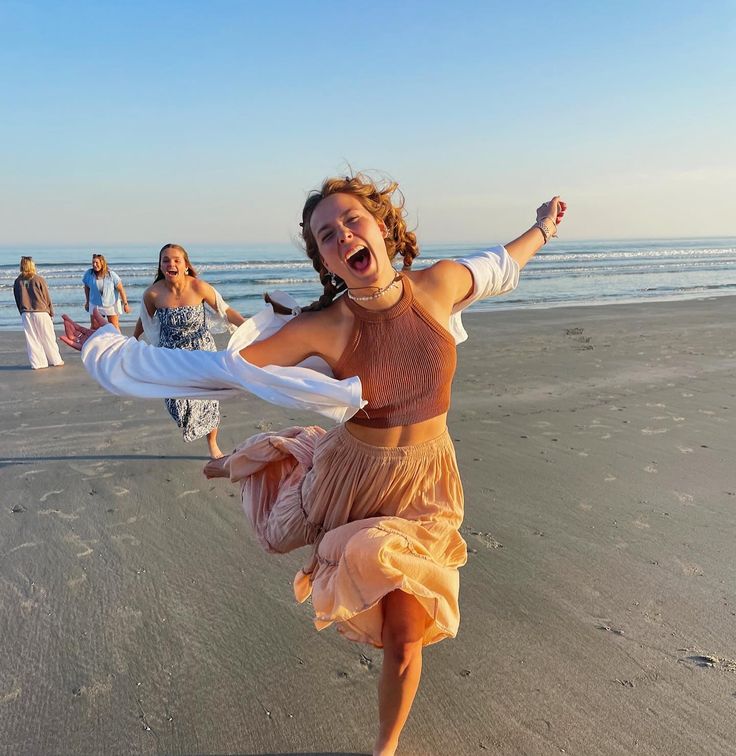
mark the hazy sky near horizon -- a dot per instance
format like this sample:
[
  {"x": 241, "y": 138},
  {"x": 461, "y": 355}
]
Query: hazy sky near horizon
[{"x": 201, "y": 122}]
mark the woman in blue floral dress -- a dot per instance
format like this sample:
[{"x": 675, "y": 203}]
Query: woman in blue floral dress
[{"x": 176, "y": 313}]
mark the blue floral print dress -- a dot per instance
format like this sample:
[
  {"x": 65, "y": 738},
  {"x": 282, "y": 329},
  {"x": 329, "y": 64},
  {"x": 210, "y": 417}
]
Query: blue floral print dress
[{"x": 186, "y": 328}]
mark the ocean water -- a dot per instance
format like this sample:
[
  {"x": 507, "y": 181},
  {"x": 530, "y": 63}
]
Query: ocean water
[{"x": 563, "y": 273}]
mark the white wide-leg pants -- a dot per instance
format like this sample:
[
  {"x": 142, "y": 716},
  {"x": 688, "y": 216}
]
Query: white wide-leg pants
[{"x": 41, "y": 340}]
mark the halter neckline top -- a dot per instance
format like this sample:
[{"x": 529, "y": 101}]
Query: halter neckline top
[{"x": 405, "y": 361}]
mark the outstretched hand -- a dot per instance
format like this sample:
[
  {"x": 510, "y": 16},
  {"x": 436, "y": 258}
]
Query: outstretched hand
[
  {"x": 553, "y": 210},
  {"x": 76, "y": 335}
]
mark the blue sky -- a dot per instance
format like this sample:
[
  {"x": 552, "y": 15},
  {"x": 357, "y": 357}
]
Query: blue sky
[{"x": 209, "y": 121}]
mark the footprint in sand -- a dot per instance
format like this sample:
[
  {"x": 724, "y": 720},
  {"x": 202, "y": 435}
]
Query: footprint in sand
[
  {"x": 77, "y": 542},
  {"x": 74, "y": 582},
  {"x": 690, "y": 568},
  {"x": 28, "y": 594},
  {"x": 685, "y": 449},
  {"x": 61, "y": 515},
  {"x": 710, "y": 661},
  {"x": 93, "y": 688},
  {"x": 127, "y": 538},
  {"x": 93, "y": 469},
  {"x": 684, "y": 498},
  {"x": 10, "y": 695},
  {"x": 651, "y": 469},
  {"x": 485, "y": 538},
  {"x": 51, "y": 493},
  {"x": 27, "y": 545},
  {"x": 609, "y": 629}
]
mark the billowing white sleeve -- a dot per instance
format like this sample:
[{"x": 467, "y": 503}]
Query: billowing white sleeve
[
  {"x": 151, "y": 327},
  {"x": 217, "y": 321},
  {"x": 128, "y": 367},
  {"x": 494, "y": 272}
]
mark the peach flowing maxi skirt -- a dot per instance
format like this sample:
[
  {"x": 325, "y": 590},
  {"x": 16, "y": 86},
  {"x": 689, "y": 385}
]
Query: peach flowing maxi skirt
[{"x": 378, "y": 519}]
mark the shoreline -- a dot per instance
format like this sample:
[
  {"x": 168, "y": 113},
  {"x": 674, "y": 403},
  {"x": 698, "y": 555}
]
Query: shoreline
[
  {"x": 128, "y": 325},
  {"x": 596, "y": 448}
]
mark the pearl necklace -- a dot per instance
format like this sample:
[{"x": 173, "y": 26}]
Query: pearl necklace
[{"x": 378, "y": 294}]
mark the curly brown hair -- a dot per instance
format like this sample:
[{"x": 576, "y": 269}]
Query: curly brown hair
[
  {"x": 190, "y": 268},
  {"x": 377, "y": 197}
]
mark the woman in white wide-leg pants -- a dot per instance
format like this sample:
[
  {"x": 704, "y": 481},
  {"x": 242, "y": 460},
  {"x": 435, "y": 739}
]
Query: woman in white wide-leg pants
[{"x": 36, "y": 311}]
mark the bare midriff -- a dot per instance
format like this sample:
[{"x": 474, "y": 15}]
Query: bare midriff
[{"x": 400, "y": 435}]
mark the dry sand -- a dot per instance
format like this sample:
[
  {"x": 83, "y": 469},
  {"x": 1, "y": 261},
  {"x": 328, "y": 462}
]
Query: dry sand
[{"x": 598, "y": 607}]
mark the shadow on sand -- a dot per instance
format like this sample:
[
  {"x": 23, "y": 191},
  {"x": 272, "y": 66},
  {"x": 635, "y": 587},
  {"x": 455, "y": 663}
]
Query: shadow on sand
[{"x": 6, "y": 461}]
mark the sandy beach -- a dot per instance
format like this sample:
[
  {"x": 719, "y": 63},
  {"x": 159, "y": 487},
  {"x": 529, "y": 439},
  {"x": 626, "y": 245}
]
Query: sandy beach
[{"x": 598, "y": 604}]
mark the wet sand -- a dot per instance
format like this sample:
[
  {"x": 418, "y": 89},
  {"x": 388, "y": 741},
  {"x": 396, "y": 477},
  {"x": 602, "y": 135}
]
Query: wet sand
[{"x": 598, "y": 604}]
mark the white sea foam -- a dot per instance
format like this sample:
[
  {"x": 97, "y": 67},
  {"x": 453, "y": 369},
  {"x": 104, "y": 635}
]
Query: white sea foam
[{"x": 564, "y": 273}]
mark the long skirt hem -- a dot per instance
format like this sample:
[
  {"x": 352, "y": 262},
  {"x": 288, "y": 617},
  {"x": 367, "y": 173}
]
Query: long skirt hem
[{"x": 378, "y": 520}]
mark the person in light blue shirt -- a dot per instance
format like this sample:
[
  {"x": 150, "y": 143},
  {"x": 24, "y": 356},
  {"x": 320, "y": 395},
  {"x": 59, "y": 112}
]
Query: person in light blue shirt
[{"x": 104, "y": 290}]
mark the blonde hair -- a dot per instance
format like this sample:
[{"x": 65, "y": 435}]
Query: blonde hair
[
  {"x": 384, "y": 201},
  {"x": 105, "y": 269},
  {"x": 190, "y": 268},
  {"x": 27, "y": 267}
]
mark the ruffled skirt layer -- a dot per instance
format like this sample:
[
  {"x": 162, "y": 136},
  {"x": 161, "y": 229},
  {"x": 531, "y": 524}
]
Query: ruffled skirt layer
[{"x": 379, "y": 519}]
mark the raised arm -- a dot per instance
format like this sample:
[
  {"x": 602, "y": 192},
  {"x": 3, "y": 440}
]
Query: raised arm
[{"x": 549, "y": 216}]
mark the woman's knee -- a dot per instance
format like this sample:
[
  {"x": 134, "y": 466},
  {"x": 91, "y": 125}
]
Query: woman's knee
[
  {"x": 404, "y": 623},
  {"x": 402, "y": 654}
]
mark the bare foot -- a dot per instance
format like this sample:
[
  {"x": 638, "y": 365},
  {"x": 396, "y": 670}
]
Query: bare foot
[
  {"x": 215, "y": 451},
  {"x": 216, "y": 468}
]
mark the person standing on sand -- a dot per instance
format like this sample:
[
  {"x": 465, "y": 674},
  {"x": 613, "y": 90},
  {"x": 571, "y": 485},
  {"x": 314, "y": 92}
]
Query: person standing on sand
[
  {"x": 173, "y": 315},
  {"x": 379, "y": 497},
  {"x": 104, "y": 290},
  {"x": 37, "y": 313}
]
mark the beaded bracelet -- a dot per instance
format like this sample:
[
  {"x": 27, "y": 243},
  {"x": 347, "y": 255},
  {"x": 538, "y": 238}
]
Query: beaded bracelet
[{"x": 544, "y": 226}]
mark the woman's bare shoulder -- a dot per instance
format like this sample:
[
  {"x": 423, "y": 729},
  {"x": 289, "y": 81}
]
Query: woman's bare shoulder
[
  {"x": 155, "y": 291},
  {"x": 443, "y": 281},
  {"x": 333, "y": 318},
  {"x": 198, "y": 284}
]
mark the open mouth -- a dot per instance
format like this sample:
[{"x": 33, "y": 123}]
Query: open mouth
[{"x": 359, "y": 259}]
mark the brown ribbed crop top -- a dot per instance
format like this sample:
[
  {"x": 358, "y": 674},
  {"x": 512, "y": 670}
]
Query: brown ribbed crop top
[{"x": 405, "y": 361}]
